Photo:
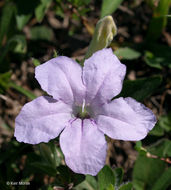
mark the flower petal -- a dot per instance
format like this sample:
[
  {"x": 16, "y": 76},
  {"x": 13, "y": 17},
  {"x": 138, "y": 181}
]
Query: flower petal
[
  {"x": 41, "y": 120},
  {"x": 84, "y": 147},
  {"x": 103, "y": 75},
  {"x": 61, "y": 78},
  {"x": 125, "y": 119}
]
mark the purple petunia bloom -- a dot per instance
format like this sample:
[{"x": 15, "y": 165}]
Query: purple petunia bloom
[{"x": 82, "y": 111}]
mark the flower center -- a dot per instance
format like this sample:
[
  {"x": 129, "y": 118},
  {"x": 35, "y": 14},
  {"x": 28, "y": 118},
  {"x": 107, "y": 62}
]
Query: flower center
[{"x": 82, "y": 112}]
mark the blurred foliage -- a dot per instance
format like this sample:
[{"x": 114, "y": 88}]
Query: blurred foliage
[
  {"x": 158, "y": 56},
  {"x": 140, "y": 88},
  {"x": 163, "y": 125},
  {"x": 148, "y": 167},
  {"x": 109, "y": 6},
  {"x": 4, "y": 81},
  {"x": 34, "y": 31},
  {"x": 159, "y": 19},
  {"x": 107, "y": 179},
  {"x": 127, "y": 53}
]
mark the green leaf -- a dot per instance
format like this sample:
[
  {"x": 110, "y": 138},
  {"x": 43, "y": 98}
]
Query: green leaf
[
  {"x": 17, "y": 44},
  {"x": 146, "y": 171},
  {"x": 4, "y": 81},
  {"x": 127, "y": 186},
  {"x": 50, "y": 153},
  {"x": 118, "y": 172},
  {"x": 41, "y": 9},
  {"x": 56, "y": 153},
  {"x": 165, "y": 122},
  {"x": 159, "y": 20},
  {"x": 157, "y": 130},
  {"x": 110, "y": 187},
  {"x": 23, "y": 91},
  {"x": 164, "y": 181},
  {"x": 140, "y": 88},
  {"x": 41, "y": 33},
  {"x": 6, "y": 18},
  {"x": 90, "y": 183},
  {"x": 158, "y": 56},
  {"x": 66, "y": 176},
  {"x": 25, "y": 11},
  {"x": 50, "y": 188},
  {"x": 36, "y": 62},
  {"x": 152, "y": 60},
  {"x": 163, "y": 125},
  {"x": 138, "y": 146},
  {"x": 127, "y": 53},
  {"x": 109, "y": 7},
  {"x": 40, "y": 12},
  {"x": 157, "y": 60},
  {"x": 43, "y": 167},
  {"x": 162, "y": 148},
  {"x": 105, "y": 177},
  {"x": 22, "y": 20},
  {"x": 47, "y": 154}
]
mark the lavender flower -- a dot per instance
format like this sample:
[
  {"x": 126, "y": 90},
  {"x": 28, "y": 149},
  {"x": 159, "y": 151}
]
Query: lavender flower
[{"x": 82, "y": 111}]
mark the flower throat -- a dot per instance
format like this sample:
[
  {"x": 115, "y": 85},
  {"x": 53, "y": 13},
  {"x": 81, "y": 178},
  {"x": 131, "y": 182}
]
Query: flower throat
[{"x": 82, "y": 112}]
